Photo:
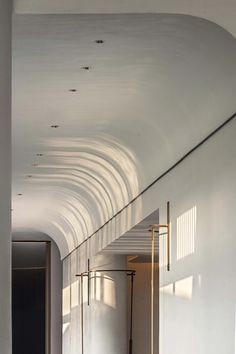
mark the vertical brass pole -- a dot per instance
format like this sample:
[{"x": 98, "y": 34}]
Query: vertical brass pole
[
  {"x": 88, "y": 282},
  {"x": 131, "y": 313},
  {"x": 82, "y": 314},
  {"x": 152, "y": 289}
]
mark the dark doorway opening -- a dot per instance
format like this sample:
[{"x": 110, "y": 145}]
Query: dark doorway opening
[{"x": 30, "y": 293}]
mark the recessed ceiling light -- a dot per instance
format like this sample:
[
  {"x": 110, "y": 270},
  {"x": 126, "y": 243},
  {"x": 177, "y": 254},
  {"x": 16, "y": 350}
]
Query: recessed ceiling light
[
  {"x": 55, "y": 126},
  {"x": 39, "y": 154},
  {"x": 72, "y": 90},
  {"x": 99, "y": 41},
  {"x": 86, "y": 67}
]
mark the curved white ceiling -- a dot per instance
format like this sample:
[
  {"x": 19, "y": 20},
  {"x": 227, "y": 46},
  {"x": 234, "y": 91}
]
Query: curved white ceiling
[
  {"x": 218, "y": 11},
  {"x": 156, "y": 87}
]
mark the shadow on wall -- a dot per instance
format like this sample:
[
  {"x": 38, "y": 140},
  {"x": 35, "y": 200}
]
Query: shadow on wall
[{"x": 184, "y": 246}]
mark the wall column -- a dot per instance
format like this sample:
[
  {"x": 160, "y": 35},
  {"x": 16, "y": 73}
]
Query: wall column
[{"x": 5, "y": 176}]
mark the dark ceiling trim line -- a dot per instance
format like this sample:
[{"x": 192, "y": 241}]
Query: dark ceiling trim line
[
  {"x": 30, "y": 241},
  {"x": 29, "y": 268},
  {"x": 208, "y": 137}
]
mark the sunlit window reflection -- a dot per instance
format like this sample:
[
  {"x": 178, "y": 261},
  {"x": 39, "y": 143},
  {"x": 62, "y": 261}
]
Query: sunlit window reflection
[{"x": 186, "y": 231}]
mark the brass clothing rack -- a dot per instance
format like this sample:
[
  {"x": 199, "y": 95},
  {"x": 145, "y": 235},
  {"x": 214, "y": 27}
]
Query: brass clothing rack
[
  {"x": 130, "y": 273},
  {"x": 154, "y": 230}
]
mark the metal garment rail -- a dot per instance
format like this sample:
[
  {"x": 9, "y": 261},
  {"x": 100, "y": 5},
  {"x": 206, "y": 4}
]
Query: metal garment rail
[
  {"x": 130, "y": 273},
  {"x": 154, "y": 230}
]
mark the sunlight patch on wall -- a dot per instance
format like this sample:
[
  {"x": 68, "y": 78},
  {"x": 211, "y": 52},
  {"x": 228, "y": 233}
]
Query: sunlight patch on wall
[
  {"x": 109, "y": 292},
  {"x": 66, "y": 301},
  {"x": 96, "y": 287},
  {"x": 84, "y": 289},
  {"x": 199, "y": 281},
  {"x": 65, "y": 327},
  {"x": 182, "y": 288},
  {"x": 168, "y": 289},
  {"x": 103, "y": 289},
  {"x": 75, "y": 294},
  {"x": 186, "y": 232}
]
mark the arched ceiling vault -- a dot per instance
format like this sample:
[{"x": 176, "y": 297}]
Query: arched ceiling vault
[{"x": 126, "y": 110}]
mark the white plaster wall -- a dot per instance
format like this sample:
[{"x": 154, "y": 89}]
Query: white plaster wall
[
  {"x": 105, "y": 325},
  {"x": 5, "y": 176},
  {"x": 199, "y": 294},
  {"x": 198, "y": 316}
]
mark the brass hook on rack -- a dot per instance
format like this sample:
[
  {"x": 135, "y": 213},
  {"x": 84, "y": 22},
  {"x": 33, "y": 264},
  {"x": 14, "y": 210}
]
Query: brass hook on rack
[{"x": 156, "y": 228}]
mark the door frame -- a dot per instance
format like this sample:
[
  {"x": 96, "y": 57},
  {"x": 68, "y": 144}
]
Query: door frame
[{"x": 47, "y": 290}]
